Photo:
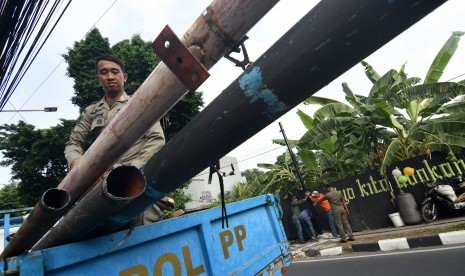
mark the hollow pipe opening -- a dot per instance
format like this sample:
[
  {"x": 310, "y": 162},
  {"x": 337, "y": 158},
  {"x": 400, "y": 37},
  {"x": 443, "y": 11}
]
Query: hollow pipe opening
[
  {"x": 55, "y": 198},
  {"x": 125, "y": 182}
]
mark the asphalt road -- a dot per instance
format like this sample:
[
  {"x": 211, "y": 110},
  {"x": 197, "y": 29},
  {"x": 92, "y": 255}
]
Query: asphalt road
[{"x": 437, "y": 261}]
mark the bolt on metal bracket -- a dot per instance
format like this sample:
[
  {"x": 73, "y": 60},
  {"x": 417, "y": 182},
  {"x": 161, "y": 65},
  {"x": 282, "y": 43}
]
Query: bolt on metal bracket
[{"x": 179, "y": 59}]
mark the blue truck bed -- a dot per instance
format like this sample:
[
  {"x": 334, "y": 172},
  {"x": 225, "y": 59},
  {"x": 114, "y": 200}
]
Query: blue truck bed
[{"x": 193, "y": 244}]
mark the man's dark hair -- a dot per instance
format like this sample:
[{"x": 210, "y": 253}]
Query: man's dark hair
[{"x": 109, "y": 58}]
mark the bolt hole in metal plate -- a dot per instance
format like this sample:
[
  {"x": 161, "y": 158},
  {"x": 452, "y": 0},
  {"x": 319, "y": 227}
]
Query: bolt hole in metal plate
[{"x": 179, "y": 60}]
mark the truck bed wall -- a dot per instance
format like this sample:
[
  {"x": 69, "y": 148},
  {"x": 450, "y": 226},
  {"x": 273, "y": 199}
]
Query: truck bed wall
[{"x": 194, "y": 244}]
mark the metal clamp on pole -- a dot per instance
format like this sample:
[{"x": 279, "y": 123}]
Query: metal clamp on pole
[
  {"x": 179, "y": 60},
  {"x": 235, "y": 46},
  {"x": 237, "y": 49}
]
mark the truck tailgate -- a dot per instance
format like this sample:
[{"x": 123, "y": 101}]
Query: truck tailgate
[{"x": 193, "y": 244}]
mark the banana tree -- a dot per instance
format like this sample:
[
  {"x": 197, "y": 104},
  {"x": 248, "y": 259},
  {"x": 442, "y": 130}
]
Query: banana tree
[
  {"x": 397, "y": 120},
  {"x": 282, "y": 176},
  {"x": 351, "y": 136},
  {"x": 240, "y": 191},
  {"x": 434, "y": 116}
]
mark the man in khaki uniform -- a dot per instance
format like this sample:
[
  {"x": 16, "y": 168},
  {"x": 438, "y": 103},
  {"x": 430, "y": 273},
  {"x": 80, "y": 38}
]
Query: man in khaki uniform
[
  {"x": 112, "y": 76},
  {"x": 340, "y": 212}
]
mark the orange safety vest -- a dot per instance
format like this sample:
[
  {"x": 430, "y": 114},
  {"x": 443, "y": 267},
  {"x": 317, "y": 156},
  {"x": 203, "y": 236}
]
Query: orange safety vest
[{"x": 324, "y": 203}]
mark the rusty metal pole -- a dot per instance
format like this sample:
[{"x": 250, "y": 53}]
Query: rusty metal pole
[
  {"x": 222, "y": 25},
  {"x": 122, "y": 185},
  {"x": 52, "y": 202},
  {"x": 333, "y": 37}
]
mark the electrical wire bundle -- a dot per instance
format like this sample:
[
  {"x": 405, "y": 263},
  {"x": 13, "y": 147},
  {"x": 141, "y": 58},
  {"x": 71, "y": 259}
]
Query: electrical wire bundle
[{"x": 21, "y": 21}]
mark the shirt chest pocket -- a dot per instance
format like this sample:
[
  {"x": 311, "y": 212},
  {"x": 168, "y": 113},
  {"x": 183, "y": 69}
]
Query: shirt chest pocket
[{"x": 98, "y": 122}]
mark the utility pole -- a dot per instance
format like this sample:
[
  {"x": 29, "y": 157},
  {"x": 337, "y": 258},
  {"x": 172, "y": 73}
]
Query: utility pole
[{"x": 292, "y": 157}]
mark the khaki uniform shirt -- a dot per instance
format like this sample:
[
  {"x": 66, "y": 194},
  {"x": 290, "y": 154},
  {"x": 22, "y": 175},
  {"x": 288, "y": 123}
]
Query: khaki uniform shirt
[
  {"x": 95, "y": 118},
  {"x": 335, "y": 198}
]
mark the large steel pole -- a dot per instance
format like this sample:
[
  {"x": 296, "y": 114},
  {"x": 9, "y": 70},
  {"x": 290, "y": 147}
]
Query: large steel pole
[
  {"x": 333, "y": 37},
  {"x": 52, "y": 202},
  {"x": 121, "y": 186},
  {"x": 213, "y": 34}
]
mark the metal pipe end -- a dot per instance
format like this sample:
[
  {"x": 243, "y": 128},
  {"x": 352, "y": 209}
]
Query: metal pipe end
[
  {"x": 55, "y": 199},
  {"x": 124, "y": 182}
]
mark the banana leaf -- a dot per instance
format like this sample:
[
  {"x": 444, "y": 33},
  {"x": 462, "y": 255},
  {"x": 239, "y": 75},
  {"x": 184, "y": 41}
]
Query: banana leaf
[
  {"x": 443, "y": 57},
  {"x": 309, "y": 159},
  {"x": 306, "y": 119},
  {"x": 453, "y": 108},
  {"x": 333, "y": 110},
  {"x": 353, "y": 99},
  {"x": 372, "y": 75},
  {"x": 312, "y": 138},
  {"x": 394, "y": 154},
  {"x": 444, "y": 127},
  {"x": 318, "y": 100}
]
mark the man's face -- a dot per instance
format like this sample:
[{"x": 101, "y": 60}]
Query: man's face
[{"x": 111, "y": 77}]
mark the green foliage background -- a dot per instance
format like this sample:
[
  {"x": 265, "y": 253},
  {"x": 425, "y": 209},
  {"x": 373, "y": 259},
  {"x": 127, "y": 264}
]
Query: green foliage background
[{"x": 36, "y": 155}]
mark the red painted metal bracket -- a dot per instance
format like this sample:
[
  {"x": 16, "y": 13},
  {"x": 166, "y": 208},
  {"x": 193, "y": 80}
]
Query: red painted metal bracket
[{"x": 179, "y": 60}]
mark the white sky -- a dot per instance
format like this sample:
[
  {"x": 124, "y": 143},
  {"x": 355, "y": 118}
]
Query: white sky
[{"x": 417, "y": 46}]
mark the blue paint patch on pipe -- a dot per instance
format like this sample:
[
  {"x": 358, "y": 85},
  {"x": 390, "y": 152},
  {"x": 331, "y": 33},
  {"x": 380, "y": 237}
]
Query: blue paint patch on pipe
[
  {"x": 322, "y": 44},
  {"x": 251, "y": 82},
  {"x": 254, "y": 88}
]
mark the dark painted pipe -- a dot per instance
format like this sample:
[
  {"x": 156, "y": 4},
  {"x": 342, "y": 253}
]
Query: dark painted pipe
[
  {"x": 47, "y": 210},
  {"x": 122, "y": 185},
  {"x": 333, "y": 37}
]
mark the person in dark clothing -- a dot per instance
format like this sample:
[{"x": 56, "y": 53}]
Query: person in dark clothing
[{"x": 297, "y": 218}]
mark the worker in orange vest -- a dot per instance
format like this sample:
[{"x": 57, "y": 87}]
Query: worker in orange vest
[{"x": 324, "y": 204}]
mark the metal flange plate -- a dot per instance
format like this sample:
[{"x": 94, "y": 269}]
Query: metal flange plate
[{"x": 179, "y": 60}]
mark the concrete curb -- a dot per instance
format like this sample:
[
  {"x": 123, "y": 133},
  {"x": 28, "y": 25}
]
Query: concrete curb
[
  {"x": 311, "y": 252},
  {"x": 331, "y": 251},
  {"x": 455, "y": 237},
  {"x": 317, "y": 248}
]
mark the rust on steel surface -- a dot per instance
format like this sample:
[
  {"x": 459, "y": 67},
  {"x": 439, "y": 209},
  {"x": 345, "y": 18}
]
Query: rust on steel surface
[
  {"x": 45, "y": 212},
  {"x": 160, "y": 91},
  {"x": 179, "y": 60}
]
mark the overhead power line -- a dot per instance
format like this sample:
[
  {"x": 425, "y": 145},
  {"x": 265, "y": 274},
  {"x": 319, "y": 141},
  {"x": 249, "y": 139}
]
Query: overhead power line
[
  {"x": 61, "y": 61},
  {"x": 18, "y": 23},
  {"x": 256, "y": 154}
]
